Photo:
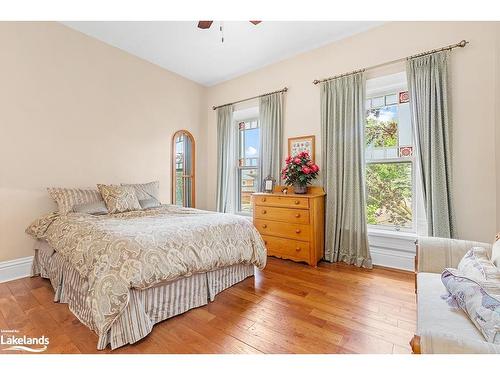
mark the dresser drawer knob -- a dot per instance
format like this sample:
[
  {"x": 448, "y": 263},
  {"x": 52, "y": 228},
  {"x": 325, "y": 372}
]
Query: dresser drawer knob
[
  {"x": 264, "y": 211},
  {"x": 297, "y": 201},
  {"x": 263, "y": 199},
  {"x": 265, "y": 242},
  {"x": 264, "y": 225},
  {"x": 297, "y": 231},
  {"x": 297, "y": 215},
  {"x": 297, "y": 249}
]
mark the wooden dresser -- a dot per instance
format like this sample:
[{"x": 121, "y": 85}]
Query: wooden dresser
[{"x": 292, "y": 225}]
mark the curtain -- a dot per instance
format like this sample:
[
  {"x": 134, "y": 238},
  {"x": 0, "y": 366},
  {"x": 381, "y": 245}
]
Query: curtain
[
  {"x": 342, "y": 137},
  {"x": 430, "y": 114},
  {"x": 225, "y": 157},
  {"x": 271, "y": 136}
]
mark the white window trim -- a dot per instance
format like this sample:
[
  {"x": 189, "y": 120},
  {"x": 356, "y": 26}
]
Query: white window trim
[{"x": 237, "y": 190}]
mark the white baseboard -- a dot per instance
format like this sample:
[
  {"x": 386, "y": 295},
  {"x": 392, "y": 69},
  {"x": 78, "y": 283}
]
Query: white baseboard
[{"x": 15, "y": 269}]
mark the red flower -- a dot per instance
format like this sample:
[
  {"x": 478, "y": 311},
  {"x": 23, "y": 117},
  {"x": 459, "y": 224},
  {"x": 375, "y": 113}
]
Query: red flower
[
  {"x": 306, "y": 170},
  {"x": 288, "y": 159},
  {"x": 297, "y": 161},
  {"x": 314, "y": 168}
]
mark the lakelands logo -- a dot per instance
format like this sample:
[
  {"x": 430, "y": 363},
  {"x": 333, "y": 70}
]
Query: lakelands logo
[{"x": 22, "y": 343}]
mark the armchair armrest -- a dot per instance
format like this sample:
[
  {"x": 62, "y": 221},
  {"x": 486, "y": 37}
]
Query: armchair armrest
[
  {"x": 435, "y": 342},
  {"x": 434, "y": 254}
]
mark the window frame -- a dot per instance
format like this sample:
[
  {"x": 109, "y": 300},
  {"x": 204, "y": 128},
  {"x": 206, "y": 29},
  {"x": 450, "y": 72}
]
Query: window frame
[
  {"x": 409, "y": 159},
  {"x": 240, "y": 168}
]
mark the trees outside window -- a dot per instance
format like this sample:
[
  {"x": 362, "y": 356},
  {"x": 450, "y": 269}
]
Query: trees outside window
[{"x": 389, "y": 162}]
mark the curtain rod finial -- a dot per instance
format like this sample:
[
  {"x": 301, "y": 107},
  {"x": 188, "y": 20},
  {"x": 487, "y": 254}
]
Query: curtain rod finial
[
  {"x": 316, "y": 81},
  {"x": 463, "y": 43},
  {"x": 214, "y": 108}
]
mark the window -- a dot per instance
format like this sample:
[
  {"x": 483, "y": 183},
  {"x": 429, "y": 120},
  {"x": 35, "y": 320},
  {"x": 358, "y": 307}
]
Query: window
[
  {"x": 390, "y": 169},
  {"x": 183, "y": 176},
  {"x": 248, "y": 162}
]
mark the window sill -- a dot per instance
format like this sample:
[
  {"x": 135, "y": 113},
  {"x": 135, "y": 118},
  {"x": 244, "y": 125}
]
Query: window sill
[{"x": 391, "y": 234}]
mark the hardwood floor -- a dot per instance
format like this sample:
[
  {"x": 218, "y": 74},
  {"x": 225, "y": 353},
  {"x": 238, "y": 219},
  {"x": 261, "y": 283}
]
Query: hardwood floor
[{"x": 287, "y": 308}]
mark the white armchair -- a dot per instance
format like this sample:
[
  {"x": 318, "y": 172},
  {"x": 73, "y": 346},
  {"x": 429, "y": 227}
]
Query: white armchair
[{"x": 440, "y": 328}]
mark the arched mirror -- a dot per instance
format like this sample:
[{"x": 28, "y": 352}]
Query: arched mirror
[{"x": 183, "y": 169}]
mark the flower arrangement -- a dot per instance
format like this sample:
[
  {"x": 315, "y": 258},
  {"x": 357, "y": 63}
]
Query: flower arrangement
[{"x": 299, "y": 171}]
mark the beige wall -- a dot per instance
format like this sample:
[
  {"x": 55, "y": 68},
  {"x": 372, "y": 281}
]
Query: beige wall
[
  {"x": 473, "y": 91},
  {"x": 76, "y": 112}
]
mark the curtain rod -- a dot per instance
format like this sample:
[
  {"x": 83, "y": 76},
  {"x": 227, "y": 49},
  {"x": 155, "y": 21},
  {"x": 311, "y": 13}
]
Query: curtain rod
[
  {"x": 285, "y": 89},
  {"x": 460, "y": 44}
]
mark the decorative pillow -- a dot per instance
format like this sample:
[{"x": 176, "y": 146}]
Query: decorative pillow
[
  {"x": 38, "y": 228},
  {"x": 149, "y": 203},
  {"x": 479, "y": 300},
  {"x": 495, "y": 252},
  {"x": 66, "y": 199},
  {"x": 94, "y": 208},
  {"x": 477, "y": 265},
  {"x": 119, "y": 198},
  {"x": 150, "y": 190}
]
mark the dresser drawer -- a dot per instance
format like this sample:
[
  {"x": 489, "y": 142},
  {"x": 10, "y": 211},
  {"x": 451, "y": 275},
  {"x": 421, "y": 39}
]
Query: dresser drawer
[
  {"x": 279, "y": 229},
  {"x": 281, "y": 201},
  {"x": 285, "y": 248},
  {"x": 288, "y": 215}
]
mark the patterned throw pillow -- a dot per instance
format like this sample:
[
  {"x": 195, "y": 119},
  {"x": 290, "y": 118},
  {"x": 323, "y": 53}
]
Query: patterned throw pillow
[
  {"x": 150, "y": 190},
  {"x": 477, "y": 265},
  {"x": 119, "y": 198},
  {"x": 67, "y": 199},
  {"x": 479, "y": 300}
]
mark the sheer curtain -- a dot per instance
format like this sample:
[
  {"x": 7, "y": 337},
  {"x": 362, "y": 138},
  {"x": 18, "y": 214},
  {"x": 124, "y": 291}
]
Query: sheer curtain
[
  {"x": 342, "y": 137},
  {"x": 430, "y": 112},
  {"x": 271, "y": 136},
  {"x": 226, "y": 143}
]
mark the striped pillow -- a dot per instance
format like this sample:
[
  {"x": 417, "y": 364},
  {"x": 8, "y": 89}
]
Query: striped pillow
[{"x": 67, "y": 198}]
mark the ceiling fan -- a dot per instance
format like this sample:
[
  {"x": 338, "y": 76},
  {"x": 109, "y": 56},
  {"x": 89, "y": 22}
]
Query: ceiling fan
[{"x": 207, "y": 24}]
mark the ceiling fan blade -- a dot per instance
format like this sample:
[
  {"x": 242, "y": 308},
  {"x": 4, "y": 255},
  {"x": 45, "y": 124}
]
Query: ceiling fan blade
[
  {"x": 255, "y": 22},
  {"x": 204, "y": 24}
]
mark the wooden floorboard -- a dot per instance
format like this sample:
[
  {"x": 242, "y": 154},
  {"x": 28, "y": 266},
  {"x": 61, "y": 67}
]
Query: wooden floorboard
[{"x": 286, "y": 308}]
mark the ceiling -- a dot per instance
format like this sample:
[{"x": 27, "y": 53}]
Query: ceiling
[{"x": 199, "y": 55}]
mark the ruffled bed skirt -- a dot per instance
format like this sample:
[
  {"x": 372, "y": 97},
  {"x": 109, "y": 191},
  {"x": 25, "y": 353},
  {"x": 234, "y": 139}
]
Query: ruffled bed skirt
[{"x": 146, "y": 307}]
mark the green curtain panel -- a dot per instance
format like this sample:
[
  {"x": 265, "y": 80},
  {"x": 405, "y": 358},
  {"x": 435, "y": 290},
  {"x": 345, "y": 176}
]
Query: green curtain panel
[
  {"x": 271, "y": 136},
  {"x": 430, "y": 113},
  {"x": 225, "y": 157},
  {"x": 342, "y": 138}
]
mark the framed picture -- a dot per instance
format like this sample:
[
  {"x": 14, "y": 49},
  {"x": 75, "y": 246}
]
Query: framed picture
[
  {"x": 268, "y": 184},
  {"x": 299, "y": 144}
]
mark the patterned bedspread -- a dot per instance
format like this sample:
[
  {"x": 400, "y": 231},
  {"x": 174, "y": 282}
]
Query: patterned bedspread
[{"x": 140, "y": 249}]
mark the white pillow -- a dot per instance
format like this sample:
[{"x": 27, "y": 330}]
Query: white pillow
[
  {"x": 477, "y": 265},
  {"x": 495, "y": 252}
]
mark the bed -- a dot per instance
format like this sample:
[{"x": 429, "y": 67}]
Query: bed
[{"x": 122, "y": 273}]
